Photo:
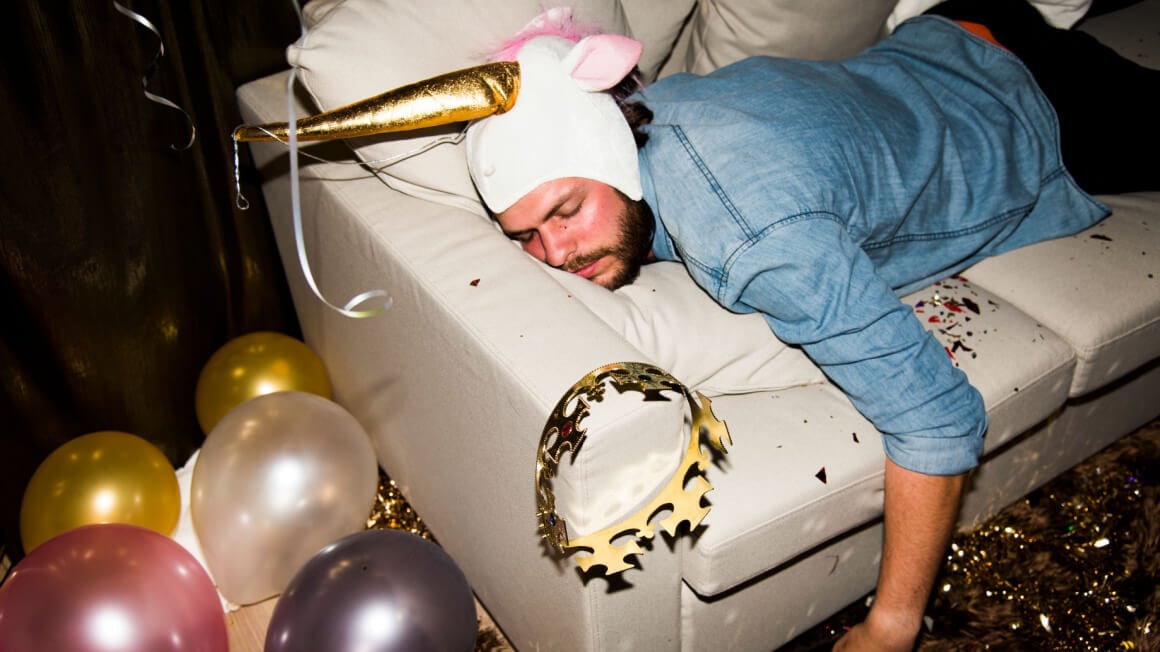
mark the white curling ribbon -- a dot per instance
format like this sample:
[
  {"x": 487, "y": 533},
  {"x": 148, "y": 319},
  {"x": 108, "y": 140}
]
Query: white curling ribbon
[
  {"x": 152, "y": 97},
  {"x": 300, "y": 241},
  {"x": 242, "y": 203}
]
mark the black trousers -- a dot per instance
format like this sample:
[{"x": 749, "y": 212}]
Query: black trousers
[{"x": 1108, "y": 113}]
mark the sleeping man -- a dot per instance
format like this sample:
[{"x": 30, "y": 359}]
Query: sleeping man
[{"x": 818, "y": 193}]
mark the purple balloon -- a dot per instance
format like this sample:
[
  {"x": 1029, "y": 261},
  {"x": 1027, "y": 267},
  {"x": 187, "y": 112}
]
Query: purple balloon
[
  {"x": 375, "y": 591},
  {"x": 111, "y": 586}
]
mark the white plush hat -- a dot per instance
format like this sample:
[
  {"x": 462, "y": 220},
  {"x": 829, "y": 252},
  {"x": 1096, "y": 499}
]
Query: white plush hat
[{"x": 562, "y": 124}]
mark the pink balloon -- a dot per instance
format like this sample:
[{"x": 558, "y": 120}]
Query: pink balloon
[{"x": 111, "y": 586}]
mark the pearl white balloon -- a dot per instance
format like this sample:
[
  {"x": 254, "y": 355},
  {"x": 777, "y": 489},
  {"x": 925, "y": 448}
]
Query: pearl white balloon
[{"x": 279, "y": 477}]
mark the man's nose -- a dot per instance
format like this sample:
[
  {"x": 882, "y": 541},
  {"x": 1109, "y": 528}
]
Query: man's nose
[{"x": 558, "y": 245}]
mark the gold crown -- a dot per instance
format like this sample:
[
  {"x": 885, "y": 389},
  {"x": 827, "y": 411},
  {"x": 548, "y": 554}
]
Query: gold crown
[{"x": 564, "y": 432}]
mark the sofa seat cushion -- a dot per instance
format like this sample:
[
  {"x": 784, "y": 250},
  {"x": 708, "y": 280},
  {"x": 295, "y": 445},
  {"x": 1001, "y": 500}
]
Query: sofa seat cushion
[
  {"x": 1099, "y": 289},
  {"x": 805, "y": 466},
  {"x": 1022, "y": 369}
]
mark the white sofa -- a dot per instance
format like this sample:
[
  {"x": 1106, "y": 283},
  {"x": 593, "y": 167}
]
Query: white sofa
[{"x": 455, "y": 381}]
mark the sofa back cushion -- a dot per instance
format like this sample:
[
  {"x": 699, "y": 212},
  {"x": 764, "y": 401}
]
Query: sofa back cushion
[{"x": 720, "y": 32}]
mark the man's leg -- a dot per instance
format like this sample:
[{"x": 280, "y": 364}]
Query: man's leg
[
  {"x": 1106, "y": 106},
  {"x": 920, "y": 515}
]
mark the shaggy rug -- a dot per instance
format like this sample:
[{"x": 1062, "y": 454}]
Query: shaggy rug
[{"x": 1073, "y": 566}]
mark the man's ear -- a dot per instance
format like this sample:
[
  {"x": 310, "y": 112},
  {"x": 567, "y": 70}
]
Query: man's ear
[{"x": 601, "y": 61}]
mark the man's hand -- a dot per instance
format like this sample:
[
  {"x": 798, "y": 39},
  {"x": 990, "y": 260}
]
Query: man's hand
[
  {"x": 866, "y": 637},
  {"x": 919, "y": 514}
]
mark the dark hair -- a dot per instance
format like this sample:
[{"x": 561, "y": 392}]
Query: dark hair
[{"x": 635, "y": 112}]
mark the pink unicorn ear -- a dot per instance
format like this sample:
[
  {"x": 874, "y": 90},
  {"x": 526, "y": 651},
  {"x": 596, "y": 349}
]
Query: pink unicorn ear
[{"x": 599, "y": 62}]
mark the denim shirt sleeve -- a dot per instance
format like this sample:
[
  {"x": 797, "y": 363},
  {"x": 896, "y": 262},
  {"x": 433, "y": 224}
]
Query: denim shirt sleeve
[{"x": 831, "y": 302}]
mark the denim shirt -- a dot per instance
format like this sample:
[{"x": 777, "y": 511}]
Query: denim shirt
[{"x": 817, "y": 193}]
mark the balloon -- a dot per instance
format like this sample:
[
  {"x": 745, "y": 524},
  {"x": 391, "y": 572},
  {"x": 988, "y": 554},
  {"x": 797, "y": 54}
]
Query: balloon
[
  {"x": 253, "y": 365},
  {"x": 278, "y": 478},
  {"x": 375, "y": 591},
  {"x": 111, "y": 586},
  {"x": 102, "y": 477}
]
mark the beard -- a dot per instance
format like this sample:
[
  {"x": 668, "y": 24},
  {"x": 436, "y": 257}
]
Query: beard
[{"x": 632, "y": 247}]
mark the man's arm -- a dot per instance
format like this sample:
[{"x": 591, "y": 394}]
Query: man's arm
[
  {"x": 920, "y": 515},
  {"x": 823, "y": 293}
]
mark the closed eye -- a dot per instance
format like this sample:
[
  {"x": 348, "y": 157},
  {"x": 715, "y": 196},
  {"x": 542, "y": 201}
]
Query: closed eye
[
  {"x": 519, "y": 236},
  {"x": 570, "y": 211}
]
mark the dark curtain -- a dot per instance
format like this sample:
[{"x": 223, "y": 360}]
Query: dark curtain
[{"x": 123, "y": 262}]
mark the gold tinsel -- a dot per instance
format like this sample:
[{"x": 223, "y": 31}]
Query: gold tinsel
[
  {"x": 1069, "y": 568},
  {"x": 392, "y": 511},
  {"x": 1072, "y": 567}
]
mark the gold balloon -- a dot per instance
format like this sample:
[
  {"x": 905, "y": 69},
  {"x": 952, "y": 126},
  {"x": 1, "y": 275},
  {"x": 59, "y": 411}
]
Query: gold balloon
[
  {"x": 253, "y": 365},
  {"x": 102, "y": 477}
]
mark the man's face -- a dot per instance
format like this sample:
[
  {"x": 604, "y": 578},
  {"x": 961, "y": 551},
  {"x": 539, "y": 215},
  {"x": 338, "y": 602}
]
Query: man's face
[{"x": 584, "y": 227}]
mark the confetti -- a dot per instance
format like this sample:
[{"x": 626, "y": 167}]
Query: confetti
[
  {"x": 475, "y": 283},
  {"x": 949, "y": 310},
  {"x": 821, "y": 475}
]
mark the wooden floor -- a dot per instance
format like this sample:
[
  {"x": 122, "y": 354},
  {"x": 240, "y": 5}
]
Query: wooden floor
[{"x": 247, "y": 626}]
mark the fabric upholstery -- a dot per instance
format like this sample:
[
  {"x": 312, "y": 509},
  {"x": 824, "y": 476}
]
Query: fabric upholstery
[{"x": 1098, "y": 289}]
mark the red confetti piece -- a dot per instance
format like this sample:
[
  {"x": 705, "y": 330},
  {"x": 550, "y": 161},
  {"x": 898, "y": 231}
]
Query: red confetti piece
[
  {"x": 475, "y": 283},
  {"x": 933, "y": 319}
]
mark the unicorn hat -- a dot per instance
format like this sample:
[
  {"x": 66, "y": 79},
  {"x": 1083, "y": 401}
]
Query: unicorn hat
[
  {"x": 563, "y": 124},
  {"x": 541, "y": 117}
]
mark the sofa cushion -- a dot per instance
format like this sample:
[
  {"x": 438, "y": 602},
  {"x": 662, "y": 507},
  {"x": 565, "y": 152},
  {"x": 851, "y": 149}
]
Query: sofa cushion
[
  {"x": 1099, "y": 289},
  {"x": 682, "y": 330},
  {"x": 816, "y": 464},
  {"x": 723, "y": 31},
  {"x": 1022, "y": 369},
  {"x": 1130, "y": 30},
  {"x": 657, "y": 23}
]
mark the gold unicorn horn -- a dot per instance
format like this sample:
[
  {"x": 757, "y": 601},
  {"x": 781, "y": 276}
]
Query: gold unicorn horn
[{"x": 457, "y": 96}]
